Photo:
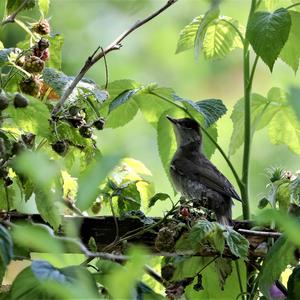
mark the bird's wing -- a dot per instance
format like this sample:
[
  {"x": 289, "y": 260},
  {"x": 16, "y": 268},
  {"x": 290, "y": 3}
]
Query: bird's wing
[{"x": 202, "y": 170}]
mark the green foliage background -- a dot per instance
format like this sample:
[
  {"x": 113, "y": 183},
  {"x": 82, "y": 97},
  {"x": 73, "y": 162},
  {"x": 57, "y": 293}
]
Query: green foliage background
[{"x": 148, "y": 56}]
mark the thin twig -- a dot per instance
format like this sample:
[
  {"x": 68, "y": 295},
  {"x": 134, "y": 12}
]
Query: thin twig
[
  {"x": 70, "y": 204},
  {"x": 154, "y": 275},
  {"x": 106, "y": 70},
  {"x": 11, "y": 18},
  {"x": 259, "y": 233},
  {"x": 115, "y": 45},
  {"x": 293, "y": 5}
]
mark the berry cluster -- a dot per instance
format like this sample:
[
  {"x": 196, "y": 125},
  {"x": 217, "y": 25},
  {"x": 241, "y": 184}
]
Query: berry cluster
[
  {"x": 76, "y": 117},
  {"x": 34, "y": 60}
]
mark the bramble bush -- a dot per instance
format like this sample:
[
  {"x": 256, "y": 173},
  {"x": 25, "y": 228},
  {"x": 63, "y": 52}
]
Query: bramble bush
[{"x": 50, "y": 158}]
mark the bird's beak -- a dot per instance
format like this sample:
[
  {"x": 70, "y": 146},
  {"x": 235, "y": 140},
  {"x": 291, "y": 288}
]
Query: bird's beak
[{"x": 174, "y": 121}]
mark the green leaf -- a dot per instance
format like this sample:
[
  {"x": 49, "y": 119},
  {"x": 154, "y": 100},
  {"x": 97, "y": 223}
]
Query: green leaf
[
  {"x": 158, "y": 197},
  {"x": 221, "y": 38},
  {"x": 268, "y": 32},
  {"x": 210, "y": 15},
  {"x": 152, "y": 106},
  {"x": 293, "y": 284},
  {"x": 43, "y": 281},
  {"x": 210, "y": 110},
  {"x": 294, "y": 101},
  {"x": 34, "y": 118},
  {"x": 44, "y": 7},
  {"x": 129, "y": 198},
  {"x": 237, "y": 244},
  {"x": 45, "y": 240},
  {"x": 276, "y": 261},
  {"x": 290, "y": 53},
  {"x": 6, "y": 250},
  {"x": 188, "y": 34},
  {"x": 13, "y": 5},
  {"x": 56, "y": 43},
  {"x": 5, "y": 54},
  {"x": 89, "y": 181},
  {"x": 58, "y": 81},
  {"x": 133, "y": 271},
  {"x": 122, "y": 98}
]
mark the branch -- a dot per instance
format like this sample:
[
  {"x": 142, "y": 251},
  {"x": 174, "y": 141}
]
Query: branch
[
  {"x": 115, "y": 45},
  {"x": 260, "y": 233},
  {"x": 11, "y": 18}
]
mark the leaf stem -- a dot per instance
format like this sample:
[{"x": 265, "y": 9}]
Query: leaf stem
[
  {"x": 233, "y": 170},
  {"x": 236, "y": 29},
  {"x": 293, "y": 5},
  {"x": 11, "y": 18},
  {"x": 237, "y": 266}
]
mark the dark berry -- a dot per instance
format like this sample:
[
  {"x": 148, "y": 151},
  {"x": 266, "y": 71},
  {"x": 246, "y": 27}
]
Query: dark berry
[
  {"x": 73, "y": 110},
  {"x": 31, "y": 86},
  {"x": 3, "y": 102},
  {"x": 60, "y": 147},
  {"x": 42, "y": 27},
  {"x": 167, "y": 271},
  {"x": 34, "y": 64},
  {"x": 8, "y": 181},
  {"x": 76, "y": 122},
  {"x": 43, "y": 44},
  {"x": 99, "y": 124},
  {"x": 20, "y": 101},
  {"x": 17, "y": 147},
  {"x": 28, "y": 139},
  {"x": 42, "y": 54},
  {"x": 3, "y": 172},
  {"x": 86, "y": 131}
]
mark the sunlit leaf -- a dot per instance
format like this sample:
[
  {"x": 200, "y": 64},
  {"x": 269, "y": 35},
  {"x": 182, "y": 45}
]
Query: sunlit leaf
[
  {"x": 268, "y": 32},
  {"x": 294, "y": 101},
  {"x": 158, "y": 197},
  {"x": 237, "y": 243},
  {"x": 44, "y": 6},
  {"x": 56, "y": 43}
]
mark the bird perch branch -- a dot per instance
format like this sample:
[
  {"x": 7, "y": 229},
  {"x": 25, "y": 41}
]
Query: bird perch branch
[{"x": 115, "y": 45}]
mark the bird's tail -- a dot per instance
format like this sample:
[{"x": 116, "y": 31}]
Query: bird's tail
[{"x": 225, "y": 218}]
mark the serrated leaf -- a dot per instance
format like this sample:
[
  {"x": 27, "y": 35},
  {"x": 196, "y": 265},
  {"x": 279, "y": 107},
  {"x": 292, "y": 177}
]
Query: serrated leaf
[
  {"x": 268, "y": 32},
  {"x": 55, "y": 49},
  {"x": 221, "y": 38},
  {"x": 188, "y": 34},
  {"x": 210, "y": 15},
  {"x": 44, "y": 6},
  {"x": 59, "y": 82},
  {"x": 13, "y": 5},
  {"x": 210, "y": 110},
  {"x": 290, "y": 53},
  {"x": 89, "y": 181},
  {"x": 6, "y": 250},
  {"x": 34, "y": 118},
  {"x": 237, "y": 244},
  {"x": 43, "y": 281},
  {"x": 276, "y": 261},
  {"x": 158, "y": 197}
]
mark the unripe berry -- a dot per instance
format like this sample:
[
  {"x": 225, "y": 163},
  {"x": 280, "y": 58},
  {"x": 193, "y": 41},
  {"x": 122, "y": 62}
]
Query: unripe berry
[
  {"x": 31, "y": 86},
  {"x": 42, "y": 27},
  {"x": 34, "y": 64},
  {"x": 20, "y": 101},
  {"x": 185, "y": 212},
  {"x": 3, "y": 102}
]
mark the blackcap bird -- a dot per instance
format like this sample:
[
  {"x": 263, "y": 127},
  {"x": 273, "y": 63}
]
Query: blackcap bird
[{"x": 195, "y": 177}]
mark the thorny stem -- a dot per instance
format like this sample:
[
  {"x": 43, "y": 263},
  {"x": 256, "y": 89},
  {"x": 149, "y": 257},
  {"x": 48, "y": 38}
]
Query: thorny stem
[
  {"x": 115, "y": 45},
  {"x": 11, "y": 18},
  {"x": 234, "y": 172}
]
